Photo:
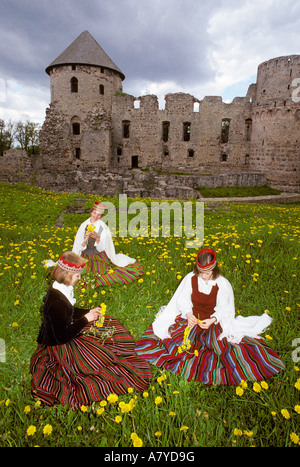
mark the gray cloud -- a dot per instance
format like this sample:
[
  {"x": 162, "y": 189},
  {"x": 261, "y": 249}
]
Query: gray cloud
[{"x": 199, "y": 46}]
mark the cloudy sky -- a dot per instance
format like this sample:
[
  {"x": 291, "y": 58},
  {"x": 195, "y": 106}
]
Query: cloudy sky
[{"x": 202, "y": 47}]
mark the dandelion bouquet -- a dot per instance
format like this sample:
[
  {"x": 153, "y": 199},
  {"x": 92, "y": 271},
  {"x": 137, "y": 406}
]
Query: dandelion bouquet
[
  {"x": 90, "y": 228},
  {"x": 186, "y": 342},
  {"x": 100, "y": 321}
]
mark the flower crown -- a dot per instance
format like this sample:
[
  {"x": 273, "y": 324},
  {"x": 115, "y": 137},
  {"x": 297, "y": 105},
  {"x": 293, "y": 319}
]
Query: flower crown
[{"x": 70, "y": 267}]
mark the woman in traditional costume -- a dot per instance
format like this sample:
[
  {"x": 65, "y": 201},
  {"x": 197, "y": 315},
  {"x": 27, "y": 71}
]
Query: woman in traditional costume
[
  {"x": 198, "y": 336},
  {"x": 93, "y": 241},
  {"x": 82, "y": 355}
]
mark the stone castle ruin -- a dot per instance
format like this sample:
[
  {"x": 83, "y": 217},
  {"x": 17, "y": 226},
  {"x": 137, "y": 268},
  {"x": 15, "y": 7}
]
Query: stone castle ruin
[{"x": 99, "y": 139}]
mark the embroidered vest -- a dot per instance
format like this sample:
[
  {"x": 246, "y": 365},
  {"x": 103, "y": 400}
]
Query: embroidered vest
[{"x": 203, "y": 304}]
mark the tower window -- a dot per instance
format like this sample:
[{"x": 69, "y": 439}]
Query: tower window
[
  {"x": 74, "y": 84},
  {"x": 134, "y": 162},
  {"x": 186, "y": 131},
  {"x": 76, "y": 128},
  {"x": 224, "y": 157},
  {"x": 101, "y": 89},
  {"x": 248, "y": 128},
  {"x": 191, "y": 152},
  {"x": 126, "y": 128},
  {"x": 77, "y": 153},
  {"x": 165, "y": 131}
]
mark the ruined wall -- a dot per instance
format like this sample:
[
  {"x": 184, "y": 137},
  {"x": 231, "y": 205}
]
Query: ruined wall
[
  {"x": 101, "y": 128},
  {"x": 192, "y": 139}
]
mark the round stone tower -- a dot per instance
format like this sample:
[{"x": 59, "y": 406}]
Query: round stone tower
[
  {"x": 77, "y": 128},
  {"x": 275, "y": 136}
]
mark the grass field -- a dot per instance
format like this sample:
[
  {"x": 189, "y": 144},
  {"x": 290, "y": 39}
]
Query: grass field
[{"x": 258, "y": 250}]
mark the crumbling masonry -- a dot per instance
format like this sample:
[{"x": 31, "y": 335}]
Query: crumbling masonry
[{"x": 96, "y": 134}]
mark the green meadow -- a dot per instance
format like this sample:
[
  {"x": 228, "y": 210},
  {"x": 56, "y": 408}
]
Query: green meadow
[{"x": 258, "y": 250}]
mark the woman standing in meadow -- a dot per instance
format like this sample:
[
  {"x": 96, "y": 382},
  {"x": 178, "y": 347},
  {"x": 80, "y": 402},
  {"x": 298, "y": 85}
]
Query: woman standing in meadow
[
  {"x": 93, "y": 241},
  {"x": 198, "y": 337},
  {"x": 82, "y": 355}
]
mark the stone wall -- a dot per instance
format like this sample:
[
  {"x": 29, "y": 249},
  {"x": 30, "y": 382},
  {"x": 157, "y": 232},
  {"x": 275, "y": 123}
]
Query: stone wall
[{"x": 15, "y": 166}]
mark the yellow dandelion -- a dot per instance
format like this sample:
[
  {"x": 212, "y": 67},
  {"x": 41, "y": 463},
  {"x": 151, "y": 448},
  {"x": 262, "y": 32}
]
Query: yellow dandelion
[
  {"x": 158, "y": 400},
  {"x": 47, "y": 430},
  {"x": 295, "y": 438},
  {"x": 285, "y": 413},
  {"x": 297, "y": 408},
  {"x": 31, "y": 430},
  {"x": 112, "y": 398},
  {"x": 256, "y": 387}
]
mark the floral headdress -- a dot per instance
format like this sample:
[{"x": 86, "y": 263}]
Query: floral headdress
[
  {"x": 66, "y": 265},
  {"x": 206, "y": 267}
]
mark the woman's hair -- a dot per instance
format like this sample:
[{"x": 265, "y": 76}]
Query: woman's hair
[
  {"x": 206, "y": 258},
  {"x": 62, "y": 276}
]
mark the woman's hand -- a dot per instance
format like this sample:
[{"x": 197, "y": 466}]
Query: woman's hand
[
  {"x": 95, "y": 236},
  {"x": 93, "y": 314},
  {"x": 206, "y": 323},
  {"x": 192, "y": 320}
]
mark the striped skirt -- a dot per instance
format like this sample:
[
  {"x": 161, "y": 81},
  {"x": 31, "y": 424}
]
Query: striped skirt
[
  {"x": 99, "y": 362},
  {"x": 209, "y": 360},
  {"x": 107, "y": 273}
]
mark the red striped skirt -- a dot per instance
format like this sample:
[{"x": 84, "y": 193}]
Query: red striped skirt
[
  {"x": 107, "y": 273},
  {"x": 209, "y": 360},
  {"x": 99, "y": 362}
]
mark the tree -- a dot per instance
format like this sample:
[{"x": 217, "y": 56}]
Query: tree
[
  {"x": 27, "y": 135},
  {"x": 6, "y": 136}
]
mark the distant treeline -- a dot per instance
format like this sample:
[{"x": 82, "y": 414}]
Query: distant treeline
[{"x": 23, "y": 135}]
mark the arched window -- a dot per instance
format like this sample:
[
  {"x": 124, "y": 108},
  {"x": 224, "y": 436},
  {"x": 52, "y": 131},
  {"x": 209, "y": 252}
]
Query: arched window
[
  {"x": 101, "y": 89},
  {"x": 74, "y": 84},
  {"x": 75, "y": 125}
]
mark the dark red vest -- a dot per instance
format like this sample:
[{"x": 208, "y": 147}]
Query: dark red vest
[{"x": 203, "y": 304}]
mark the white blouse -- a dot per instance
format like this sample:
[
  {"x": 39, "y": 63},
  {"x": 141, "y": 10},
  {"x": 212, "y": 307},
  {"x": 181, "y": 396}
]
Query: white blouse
[
  {"x": 66, "y": 290},
  {"x": 105, "y": 244},
  {"x": 234, "y": 328}
]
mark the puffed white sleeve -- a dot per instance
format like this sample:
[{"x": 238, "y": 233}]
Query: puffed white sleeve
[
  {"x": 79, "y": 239},
  {"x": 224, "y": 309},
  {"x": 235, "y": 328},
  {"x": 180, "y": 303}
]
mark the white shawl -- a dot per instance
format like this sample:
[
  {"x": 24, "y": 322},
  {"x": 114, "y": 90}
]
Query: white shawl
[
  {"x": 233, "y": 328},
  {"x": 105, "y": 244}
]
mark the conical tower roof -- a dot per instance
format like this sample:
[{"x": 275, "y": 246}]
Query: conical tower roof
[{"x": 85, "y": 50}]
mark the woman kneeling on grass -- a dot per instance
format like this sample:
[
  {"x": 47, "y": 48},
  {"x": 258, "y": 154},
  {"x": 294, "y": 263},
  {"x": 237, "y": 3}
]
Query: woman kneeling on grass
[
  {"x": 93, "y": 241},
  {"x": 82, "y": 355},
  {"x": 198, "y": 337}
]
